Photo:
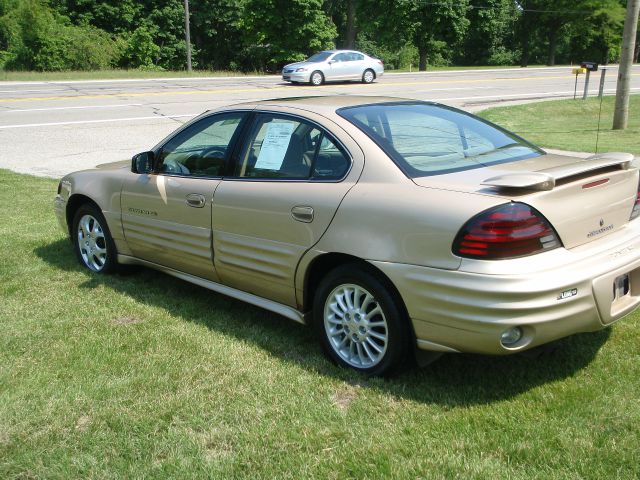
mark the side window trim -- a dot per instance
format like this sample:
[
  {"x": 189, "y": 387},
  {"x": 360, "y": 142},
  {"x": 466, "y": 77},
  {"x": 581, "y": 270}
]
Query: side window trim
[{"x": 247, "y": 128}]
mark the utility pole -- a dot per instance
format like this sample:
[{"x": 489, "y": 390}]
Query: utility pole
[
  {"x": 187, "y": 34},
  {"x": 621, "y": 113}
]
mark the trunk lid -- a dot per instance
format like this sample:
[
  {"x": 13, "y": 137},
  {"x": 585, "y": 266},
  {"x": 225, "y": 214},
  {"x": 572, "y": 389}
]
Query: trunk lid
[{"x": 583, "y": 199}]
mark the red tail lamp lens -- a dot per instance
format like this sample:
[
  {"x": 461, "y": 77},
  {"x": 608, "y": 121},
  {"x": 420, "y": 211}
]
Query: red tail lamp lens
[{"x": 508, "y": 231}]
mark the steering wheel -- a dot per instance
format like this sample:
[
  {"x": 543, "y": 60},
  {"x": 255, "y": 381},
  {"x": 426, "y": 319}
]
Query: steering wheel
[{"x": 214, "y": 152}]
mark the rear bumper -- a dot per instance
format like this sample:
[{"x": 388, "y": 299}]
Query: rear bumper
[{"x": 468, "y": 312}]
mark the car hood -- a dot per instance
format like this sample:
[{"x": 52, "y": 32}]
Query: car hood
[
  {"x": 301, "y": 64},
  {"x": 114, "y": 165},
  {"x": 583, "y": 199}
]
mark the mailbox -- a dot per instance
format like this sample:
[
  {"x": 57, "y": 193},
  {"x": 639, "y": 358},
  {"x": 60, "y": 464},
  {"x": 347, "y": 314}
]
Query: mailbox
[{"x": 590, "y": 66}]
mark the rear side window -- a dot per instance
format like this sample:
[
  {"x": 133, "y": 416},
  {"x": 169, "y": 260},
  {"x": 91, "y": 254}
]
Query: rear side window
[
  {"x": 283, "y": 147},
  {"x": 425, "y": 139}
]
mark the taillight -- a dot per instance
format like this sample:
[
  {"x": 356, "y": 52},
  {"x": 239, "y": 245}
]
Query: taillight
[
  {"x": 636, "y": 206},
  {"x": 508, "y": 231}
]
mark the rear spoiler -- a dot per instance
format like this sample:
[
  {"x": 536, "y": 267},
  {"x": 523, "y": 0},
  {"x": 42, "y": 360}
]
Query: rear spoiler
[{"x": 546, "y": 179}]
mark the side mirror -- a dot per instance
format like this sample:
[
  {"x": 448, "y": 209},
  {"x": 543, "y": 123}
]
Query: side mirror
[{"x": 142, "y": 162}]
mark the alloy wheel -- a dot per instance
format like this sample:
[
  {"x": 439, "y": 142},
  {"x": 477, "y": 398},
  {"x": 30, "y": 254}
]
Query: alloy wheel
[
  {"x": 356, "y": 326},
  {"x": 92, "y": 243}
]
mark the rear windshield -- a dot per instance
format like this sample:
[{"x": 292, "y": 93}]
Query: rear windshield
[
  {"x": 427, "y": 139},
  {"x": 319, "y": 57}
]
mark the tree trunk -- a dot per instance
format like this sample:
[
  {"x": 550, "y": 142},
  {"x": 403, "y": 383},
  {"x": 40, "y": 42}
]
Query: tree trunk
[
  {"x": 423, "y": 55},
  {"x": 524, "y": 40},
  {"x": 637, "y": 49},
  {"x": 553, "y": 45},
  {"x": 350, "y": 40}
]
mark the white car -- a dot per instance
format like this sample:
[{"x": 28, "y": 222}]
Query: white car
[{"x": 334, "y": 65}]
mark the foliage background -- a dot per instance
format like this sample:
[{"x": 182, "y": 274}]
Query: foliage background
[{"x": 262, "y": 35}]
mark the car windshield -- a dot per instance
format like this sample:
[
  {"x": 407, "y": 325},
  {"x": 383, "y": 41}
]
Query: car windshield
[
  {"x": 427, "y": 139},
  {"x": 318, "y": 57}
]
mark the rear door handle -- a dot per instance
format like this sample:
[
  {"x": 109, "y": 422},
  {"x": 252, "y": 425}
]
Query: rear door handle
[
  {"x": 196, "y": 200},
  {"x": 302, "y": 213}
]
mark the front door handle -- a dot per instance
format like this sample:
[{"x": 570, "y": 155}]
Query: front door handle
[
  {"x": 302, "y": 213},
  {"x": 196, "y": 200}
]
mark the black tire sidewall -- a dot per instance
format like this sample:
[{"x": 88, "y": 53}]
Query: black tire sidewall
[
  {"x": 397, "y": 324},
  {"x": 365, "y": 73},
  {"x": 89, "y": 209}
]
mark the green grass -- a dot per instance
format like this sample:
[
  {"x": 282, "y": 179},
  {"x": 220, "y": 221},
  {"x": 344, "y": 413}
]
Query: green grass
[
  {"x": 571, "y": 124},
  {"x": 145, "y": 376},
  {"x": 8, "y": 75}
]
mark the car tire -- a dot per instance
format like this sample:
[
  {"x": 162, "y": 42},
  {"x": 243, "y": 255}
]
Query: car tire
[
  {"x": 360, "y": 322},
  {"x": 368, "y": 76},
  {"x": 92, "y": 240},
  {"x": 316, "y": 78}
]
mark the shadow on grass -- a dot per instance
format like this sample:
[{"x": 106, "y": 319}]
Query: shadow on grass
[{"x": 454, "y": 380}]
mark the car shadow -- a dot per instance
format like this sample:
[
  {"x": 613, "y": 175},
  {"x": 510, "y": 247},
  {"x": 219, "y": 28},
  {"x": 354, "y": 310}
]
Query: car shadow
[{"x": 453, "y": 380}]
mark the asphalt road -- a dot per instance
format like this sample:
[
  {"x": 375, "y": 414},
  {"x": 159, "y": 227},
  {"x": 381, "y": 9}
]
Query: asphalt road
[{"x": 51, "y": 128}]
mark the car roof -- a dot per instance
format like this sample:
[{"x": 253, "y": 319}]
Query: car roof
[
  {"x": 342, "y": 51},
  {"x": 325, "y": 104}
]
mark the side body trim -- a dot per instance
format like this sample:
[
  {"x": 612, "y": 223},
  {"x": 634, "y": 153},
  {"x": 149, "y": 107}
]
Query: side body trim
[{"x": 275, "y": 307}]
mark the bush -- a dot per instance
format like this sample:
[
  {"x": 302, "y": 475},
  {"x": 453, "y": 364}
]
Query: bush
[
  {"x": 45, "y": 41},
  {"x": 140, "y": 50}
]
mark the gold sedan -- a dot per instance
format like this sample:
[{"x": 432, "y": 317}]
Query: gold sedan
[{"x": 393, "y": 226}]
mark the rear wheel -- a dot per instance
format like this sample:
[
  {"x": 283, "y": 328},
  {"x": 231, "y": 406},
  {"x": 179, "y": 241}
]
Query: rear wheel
[
  {"x": 368, "y": 76},
  {"x": 92, "y": 240},
  {"x": 316, "y": 79},
  {"x": 359, "y": 322}
]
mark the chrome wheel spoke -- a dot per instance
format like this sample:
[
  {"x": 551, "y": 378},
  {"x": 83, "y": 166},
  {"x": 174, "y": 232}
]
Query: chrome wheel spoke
[
  {"x": 373, "y": 313},
  {"x": 335, "y": 309},
  {"x": 372, "y": 358},
  {"x": 373, "y": 345},
  {"x": 379, "y": 336}
]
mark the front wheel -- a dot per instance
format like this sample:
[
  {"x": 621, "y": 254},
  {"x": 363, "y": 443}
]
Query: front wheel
[
  {"x": 92, "y": 240},
  {"x": 368, "y": 76},
  {"x": 359, "y": 322},
  {"x": 316, "y": 79}
]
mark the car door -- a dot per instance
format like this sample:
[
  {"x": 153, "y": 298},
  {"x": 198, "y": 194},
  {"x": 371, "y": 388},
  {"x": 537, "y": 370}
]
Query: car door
[
  {"x": 289, "y": 178},
  {"x": 166, "y": 215},
  {"x": 338, "y": 67},
  {"x": 356, "y": 66}
]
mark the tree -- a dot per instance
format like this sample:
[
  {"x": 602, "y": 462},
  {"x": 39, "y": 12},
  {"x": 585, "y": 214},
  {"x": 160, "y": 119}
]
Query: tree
[
  {"x": 287, "y": 30},
  {"x": 217, "y": 33},
  {"x": 490, "y": 37}
]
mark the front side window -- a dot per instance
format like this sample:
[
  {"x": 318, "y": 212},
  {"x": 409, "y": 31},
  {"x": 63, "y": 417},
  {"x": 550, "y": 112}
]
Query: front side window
[
  {"x": 425, "y": 139},
  {"x": 282, "y": 147},
  {"x": 319, "y": 57},
  {"x": 202, "y": 149}
]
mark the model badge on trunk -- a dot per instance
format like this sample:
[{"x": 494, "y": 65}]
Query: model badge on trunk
[{"x": 602, "y": 229}]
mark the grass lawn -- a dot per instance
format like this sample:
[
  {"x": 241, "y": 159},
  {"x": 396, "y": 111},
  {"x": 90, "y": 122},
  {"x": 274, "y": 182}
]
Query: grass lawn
[
  {"x": 571, "y": 124},
  {"x": 17, "y": 76},
  {"x": 144, "y": 376},
  {"x": 6, "y": 75}
]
